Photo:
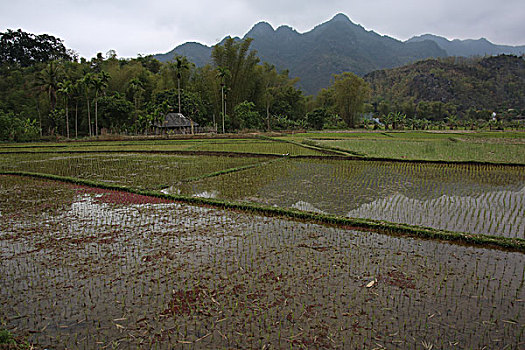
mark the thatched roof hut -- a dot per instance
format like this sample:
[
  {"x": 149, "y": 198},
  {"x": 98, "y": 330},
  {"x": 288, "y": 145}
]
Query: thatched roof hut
[{"x": 177, "y": 123}]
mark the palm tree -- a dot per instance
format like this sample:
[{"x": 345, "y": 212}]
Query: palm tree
[
  {"x": 76, "y": 91},
  {"x": 47, "y": 79},
  {"x": 86, "y": 83},
  {"x": 181, "y": 65},
  {"x": 222, "y": 73},
  {"x": 99, "y": 82},
  {"x": 66, "y": 89}
]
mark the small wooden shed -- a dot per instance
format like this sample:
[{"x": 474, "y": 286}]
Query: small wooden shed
[{"x": 175, "y": 123}]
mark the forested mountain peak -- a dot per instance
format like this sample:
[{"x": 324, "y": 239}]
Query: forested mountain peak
[
  {"x": 333, "y": 47},
  {"x": 261, "y": 28},
  {"x": 469, "y": 47},
  {"x": 463, "y": 85},
  {"x": 339, "y": 45}
]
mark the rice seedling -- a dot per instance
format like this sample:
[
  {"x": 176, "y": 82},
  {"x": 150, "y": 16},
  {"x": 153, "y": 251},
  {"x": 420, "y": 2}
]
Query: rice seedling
[
  {"x": 199, "y": 146},
  {"x": 491, "y": 147},
  {"x": 136, "y": 271},
  {"x": 478, "y": 199},
  {"x": 103, "y": 258},
  {"x": 136, "y": 170}
]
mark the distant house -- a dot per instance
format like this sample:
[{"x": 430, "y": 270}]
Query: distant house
[{"x": 175, "y": 123}]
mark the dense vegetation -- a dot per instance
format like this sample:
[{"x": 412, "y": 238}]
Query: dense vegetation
[
  {"x": 107, "y": 94},
  {"x": 46, "y": 91},
  {"x": 73, "y": 98}
]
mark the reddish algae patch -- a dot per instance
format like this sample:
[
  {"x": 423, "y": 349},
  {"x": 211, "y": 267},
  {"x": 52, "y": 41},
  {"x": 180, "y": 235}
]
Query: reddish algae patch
[{"x": 119, "y": 197}]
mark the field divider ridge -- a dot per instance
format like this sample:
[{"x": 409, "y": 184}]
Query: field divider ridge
[
  {"x": 313, "y": 143},
  {"x": 230, "y": 170},
  {"x": 310, "y": 147},
  {"x": 333, "y": 156}
]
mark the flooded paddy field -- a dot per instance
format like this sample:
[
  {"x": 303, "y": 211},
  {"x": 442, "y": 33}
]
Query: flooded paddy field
[
  {"x": 91, "y": 268},
  {"x": 244, "y": 145},
  {"x": 450, "y": 145},
  {"x": 148, "y": 171},
  {"x": 478, "y": 199}
]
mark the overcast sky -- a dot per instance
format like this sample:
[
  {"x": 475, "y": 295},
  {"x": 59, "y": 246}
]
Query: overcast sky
[{"x": 132, "y": 27}]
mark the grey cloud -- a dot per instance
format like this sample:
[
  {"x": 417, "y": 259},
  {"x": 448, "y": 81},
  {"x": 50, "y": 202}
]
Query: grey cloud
[{"x": 131, "y": 26}]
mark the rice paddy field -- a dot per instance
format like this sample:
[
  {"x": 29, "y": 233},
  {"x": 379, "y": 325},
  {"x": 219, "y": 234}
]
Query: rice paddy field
[
  {"x": 129, "y": 249},
  {"x": 249, "y": 145},
  {"x": 478, "y": 199},
  {"x": 506, "y": 147}
]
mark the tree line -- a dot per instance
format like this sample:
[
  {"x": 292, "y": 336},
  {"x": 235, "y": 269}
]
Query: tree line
[
  {"x": 59, "y": 94},
  {"x": 47, "y": 91}
]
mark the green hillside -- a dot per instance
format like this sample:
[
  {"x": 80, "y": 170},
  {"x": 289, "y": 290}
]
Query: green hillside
[{"x": 492, "y": 83}]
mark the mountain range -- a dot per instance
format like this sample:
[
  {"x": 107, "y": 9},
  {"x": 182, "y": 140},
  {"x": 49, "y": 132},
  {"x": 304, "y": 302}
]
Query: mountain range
[{"x": 337, "y": 46}]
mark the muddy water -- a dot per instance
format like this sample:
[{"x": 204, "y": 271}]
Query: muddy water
[{"x": 89, "y": 272}]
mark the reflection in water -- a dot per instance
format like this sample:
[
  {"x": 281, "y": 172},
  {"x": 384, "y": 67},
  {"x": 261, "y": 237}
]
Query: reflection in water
[
  {"x": 305, "y": 206},
  {"x": 470, "y": 198},
  {"x": 207, "y": 194},
  {"x": 94, "y": 274},
  {"x": 494, "y": 213},
  {"x": 171, "y": 190}
]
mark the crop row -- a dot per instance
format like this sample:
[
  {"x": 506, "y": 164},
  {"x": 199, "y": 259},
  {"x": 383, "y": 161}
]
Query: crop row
[{"x": 251, "y": 145}]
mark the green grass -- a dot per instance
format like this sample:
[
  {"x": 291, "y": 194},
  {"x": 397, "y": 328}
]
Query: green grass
[
  {"x": 451, "y": 146},
  {"x": 403, "y": 134},
  {"x": 437, "y": 150},
  {"x": 9, "y": 341}
]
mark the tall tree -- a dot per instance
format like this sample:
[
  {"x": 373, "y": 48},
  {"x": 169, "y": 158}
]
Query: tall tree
[
  {"x": 350, "y": 93},
  {"x": 241, "y": 62},
  {"x": 76, "y": 93},
  {"x": 99, "y": 82},
  {"x": 87, "y": 82},
  {"x": 136, "y": 89},
  {"x": 26, "y": 49},
  {"x": 48, "y": 80},
  {"x": 222, "y": 74},
  {"x": 66, "y": 89},
  {"x": 182, "y": 64},
  {"x": 270, "y": 78}
]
